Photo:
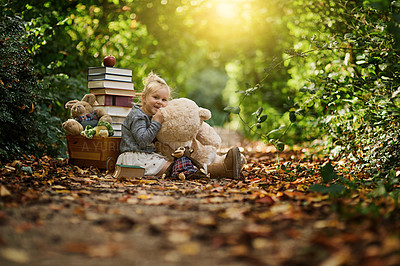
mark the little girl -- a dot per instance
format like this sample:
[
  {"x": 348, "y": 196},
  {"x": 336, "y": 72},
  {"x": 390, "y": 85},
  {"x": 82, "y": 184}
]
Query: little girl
[{"x": 141, "y": 127}]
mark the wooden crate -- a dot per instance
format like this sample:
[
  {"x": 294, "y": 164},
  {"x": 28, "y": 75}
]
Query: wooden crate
[{"x": 98, "y": 152}]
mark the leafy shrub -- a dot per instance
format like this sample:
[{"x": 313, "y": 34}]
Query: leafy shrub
[
  {"x": 27, "y": 127},
  {"x": 355, "y": 93},
  {"x": 352, "y": 96}
]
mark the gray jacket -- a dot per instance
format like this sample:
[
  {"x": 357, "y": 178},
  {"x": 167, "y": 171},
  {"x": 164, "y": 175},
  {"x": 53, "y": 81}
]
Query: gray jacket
[{"x": 138, "y": 132}]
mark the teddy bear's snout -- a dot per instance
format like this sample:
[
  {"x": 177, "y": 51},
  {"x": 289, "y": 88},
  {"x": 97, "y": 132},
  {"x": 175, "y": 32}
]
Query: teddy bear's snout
[{"x": 78, "y": 109}]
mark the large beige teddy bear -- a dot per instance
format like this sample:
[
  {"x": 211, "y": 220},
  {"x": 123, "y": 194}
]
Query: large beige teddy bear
[
  {"x": 184, "y": 125},
  {"x": 83, "y": 115}
]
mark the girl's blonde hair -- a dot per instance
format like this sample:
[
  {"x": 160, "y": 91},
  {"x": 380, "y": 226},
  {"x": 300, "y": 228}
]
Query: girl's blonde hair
[{"x": 153, "y": 83}]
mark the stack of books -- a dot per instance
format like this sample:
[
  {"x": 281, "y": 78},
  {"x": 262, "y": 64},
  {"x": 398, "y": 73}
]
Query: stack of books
[{"x": 114, "y": 92}]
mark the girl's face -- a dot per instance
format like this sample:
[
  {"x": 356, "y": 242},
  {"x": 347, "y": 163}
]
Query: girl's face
[{"x": 155, "y": 100}]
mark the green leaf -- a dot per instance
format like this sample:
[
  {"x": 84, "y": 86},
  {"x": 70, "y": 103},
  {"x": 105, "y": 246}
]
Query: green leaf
[
  {"x": 27, "y": 169},
  {"x": 251, "y": 90},
  {"x": 258, "y": 112},
  {"x": 280, "y": 146},
  {"x": 232, "y": 109},
  {"x": 319, "y": 188},
  {"x": 380, "y": 190},
  {"x": 236, "y": 110},
  {"x": 327, "y": 173},
  {"x": 276, "y": 130},
  {"x": 292, "y": 117},
  {"x": 336, "y": 189},
  {"x": 262, "y": 118},
  {"x": 228, "y": 109},
  {"x": 313, "y": 38}
]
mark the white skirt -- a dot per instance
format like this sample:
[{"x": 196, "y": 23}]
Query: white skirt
[{"x": 151, "y": 162}]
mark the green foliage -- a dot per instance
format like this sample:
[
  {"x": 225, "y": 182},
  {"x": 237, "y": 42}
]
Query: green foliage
[
  {"x": 381, "y": 189},
  {"x": 329, "y": 177},
  {"x": 354, "y": 93},
  {"x": 275, "y": 135},
  {"x": 206, "y": 87},
  {"x": 26, "y": 126},
  {"x": 351, "y": 97}
]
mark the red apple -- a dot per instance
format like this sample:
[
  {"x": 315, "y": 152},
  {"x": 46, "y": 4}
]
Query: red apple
[{"x": 109, "y": 61}]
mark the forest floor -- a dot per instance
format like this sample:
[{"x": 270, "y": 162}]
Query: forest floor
[{"x": 53, "y": 213}]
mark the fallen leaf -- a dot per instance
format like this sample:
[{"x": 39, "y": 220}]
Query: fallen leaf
[
  {"x": 239, "y": 251},
  {"x": 189, "y": 248},
  {"x": 4, "y": 192},
  {"x": 15, "y": 255},
  {"x": 207, "y": 220},
  {"x": 265, "y": 200},
  {"x": 257, "y": 230},
  {"x": 160, "y": 200},
  {"x": 58, "y": 187},
  {"x": 177, "y": 237},
  {"x": 116, "y": 224}
]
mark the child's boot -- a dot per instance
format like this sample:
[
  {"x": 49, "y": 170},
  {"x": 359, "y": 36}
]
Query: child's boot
[{"x": 229, "y": 168}]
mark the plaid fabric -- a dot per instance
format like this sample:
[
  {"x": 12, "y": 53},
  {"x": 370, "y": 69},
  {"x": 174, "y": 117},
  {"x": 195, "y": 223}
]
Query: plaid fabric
[
  {"x": 183, "y": 165},
  {"x": 88, "y": 117}
]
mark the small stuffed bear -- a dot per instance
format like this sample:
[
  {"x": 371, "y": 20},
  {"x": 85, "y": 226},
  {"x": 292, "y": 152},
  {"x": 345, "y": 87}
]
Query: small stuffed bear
[
  {"x": 83, "y": 115},
  {"x": 184, "y": 167}
]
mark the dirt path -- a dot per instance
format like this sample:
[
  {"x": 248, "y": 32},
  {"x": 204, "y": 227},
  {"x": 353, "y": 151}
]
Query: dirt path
[{"x": 52, "y": 213}]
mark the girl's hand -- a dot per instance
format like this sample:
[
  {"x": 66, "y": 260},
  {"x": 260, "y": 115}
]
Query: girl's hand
[{"x": 158, "y": 116}]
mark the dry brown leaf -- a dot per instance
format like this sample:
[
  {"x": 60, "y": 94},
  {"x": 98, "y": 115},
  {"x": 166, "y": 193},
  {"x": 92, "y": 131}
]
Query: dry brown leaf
[
  {"x": 15, "y": 255},
  {"x": 4, "y": 192}
]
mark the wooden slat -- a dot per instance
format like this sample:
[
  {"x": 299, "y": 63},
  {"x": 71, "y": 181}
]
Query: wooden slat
[{"x": 85, "y": 155}]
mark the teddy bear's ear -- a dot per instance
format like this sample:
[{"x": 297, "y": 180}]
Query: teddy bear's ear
[
  {"x": 89, "y": 98},
  {"x": 205, "y": 114},
  {"x": 69, "y": 104}
]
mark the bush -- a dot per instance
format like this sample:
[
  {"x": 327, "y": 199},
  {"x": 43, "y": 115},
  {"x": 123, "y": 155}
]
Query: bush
[
  {"x": 355, "y": 94},
  {"x": 26, "y": 125}
]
